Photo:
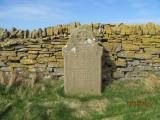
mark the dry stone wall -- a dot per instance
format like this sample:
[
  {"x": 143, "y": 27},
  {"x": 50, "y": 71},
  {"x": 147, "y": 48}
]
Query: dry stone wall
[{"x": 130, "y": 51}]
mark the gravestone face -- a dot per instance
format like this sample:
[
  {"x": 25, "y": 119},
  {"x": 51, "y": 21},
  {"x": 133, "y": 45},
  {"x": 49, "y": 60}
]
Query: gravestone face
[{"x": 82, "y": 63}]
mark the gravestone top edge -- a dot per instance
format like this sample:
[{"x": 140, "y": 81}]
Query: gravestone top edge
[
  {"x": 82, "y": 35},
  {"x": 81, "y": 38}
]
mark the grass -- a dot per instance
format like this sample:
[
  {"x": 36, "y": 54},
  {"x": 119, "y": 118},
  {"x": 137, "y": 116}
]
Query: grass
[{"x": 120, "y": 100}]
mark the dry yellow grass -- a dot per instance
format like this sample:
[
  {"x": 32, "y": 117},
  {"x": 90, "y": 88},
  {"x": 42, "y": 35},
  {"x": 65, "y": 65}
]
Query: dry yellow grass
[
  {"x": 79, "y": 110},
  {"x": 15, "y": 77},
  {"x": 81, "y": 113},
  {"x": 12, "y": 79},
  {"x": 131, "y": 85},
  {"x": 113, "y": 118},
  {"x": 2, "y": 81},
  {"x": 71, "y": 103},
  {"x": 151, "y": 82},
  {"x": 85, "y": 109},
  {"x": 97, "y": 105}
]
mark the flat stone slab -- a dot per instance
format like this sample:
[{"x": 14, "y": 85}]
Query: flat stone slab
[{"x": 82, "y": 63}]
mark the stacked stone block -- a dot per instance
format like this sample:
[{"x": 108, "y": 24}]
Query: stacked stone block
[{"x": 131, "y": 50}]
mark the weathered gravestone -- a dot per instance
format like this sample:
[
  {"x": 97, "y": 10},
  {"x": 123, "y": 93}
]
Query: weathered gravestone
[{"x": 82, "y": 63}]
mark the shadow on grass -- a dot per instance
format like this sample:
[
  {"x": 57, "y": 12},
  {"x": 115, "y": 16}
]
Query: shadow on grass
[
  {"x": 5, "y": 110},
  {"x": 63, "y": 113}
]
